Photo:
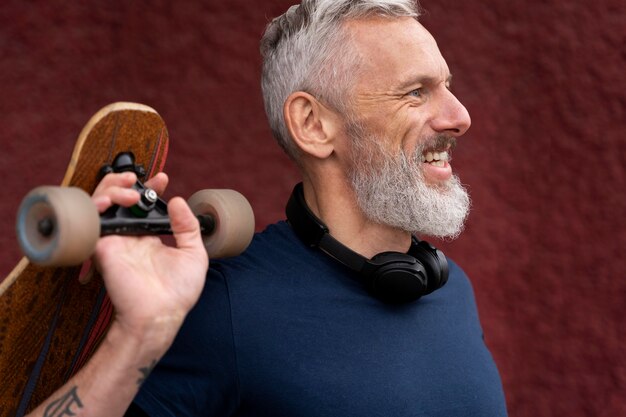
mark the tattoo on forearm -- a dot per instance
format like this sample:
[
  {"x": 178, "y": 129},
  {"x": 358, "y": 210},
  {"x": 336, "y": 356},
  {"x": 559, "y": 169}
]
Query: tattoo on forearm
[
  {"x": 145, "y": 372},
  {"x": 63, "y": 406}
]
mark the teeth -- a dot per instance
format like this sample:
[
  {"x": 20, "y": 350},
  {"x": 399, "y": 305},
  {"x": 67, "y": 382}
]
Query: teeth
[
  {"x": 440, "y": 164},
  {"x": 433, "y": 157}
]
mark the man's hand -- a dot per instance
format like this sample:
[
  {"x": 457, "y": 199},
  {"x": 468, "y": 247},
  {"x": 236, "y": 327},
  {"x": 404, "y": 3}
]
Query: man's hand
[{"x": 152, "y": 286}]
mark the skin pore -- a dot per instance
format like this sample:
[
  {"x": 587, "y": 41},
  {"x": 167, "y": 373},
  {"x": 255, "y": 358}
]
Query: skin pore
[{"x": 401, "y": 94}]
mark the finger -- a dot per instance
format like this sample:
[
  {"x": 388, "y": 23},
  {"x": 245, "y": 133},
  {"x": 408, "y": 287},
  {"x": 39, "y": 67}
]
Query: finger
[
  {"x": 124, "y": 180},
  {"x": 158, "y": 183},
  {"x": 185, "y": 225},
  {"x": 115, "y": 195}
]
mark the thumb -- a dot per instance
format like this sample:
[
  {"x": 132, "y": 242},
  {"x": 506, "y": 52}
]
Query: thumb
[{"x": 185, "y": 225}]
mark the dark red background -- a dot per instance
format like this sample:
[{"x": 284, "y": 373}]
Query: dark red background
[{"x": 544, "y": 160}]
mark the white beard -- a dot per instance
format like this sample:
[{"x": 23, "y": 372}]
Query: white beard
[{"x": 391, "y": 189}]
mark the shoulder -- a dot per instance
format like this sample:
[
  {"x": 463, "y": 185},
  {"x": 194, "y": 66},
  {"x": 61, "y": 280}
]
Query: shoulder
[
  {"x": 277, "y": 269},
  {"x": 457, "y": 277},
  {"x": 270, "y": 252},
  {"x": 275, "y": 237}
]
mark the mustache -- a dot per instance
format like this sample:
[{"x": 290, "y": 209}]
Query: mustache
[{"x": 440, "y": 142}]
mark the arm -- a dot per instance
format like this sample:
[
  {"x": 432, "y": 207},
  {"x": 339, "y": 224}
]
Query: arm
[
  {"x": 107, "y": 384},
  {"x": 152, "y": 287}
]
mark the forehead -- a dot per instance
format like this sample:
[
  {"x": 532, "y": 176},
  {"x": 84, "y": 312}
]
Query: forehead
[{"x": 395, "y": 51}]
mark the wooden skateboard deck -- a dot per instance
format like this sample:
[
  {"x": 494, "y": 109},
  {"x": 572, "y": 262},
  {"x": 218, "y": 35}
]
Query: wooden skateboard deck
[{"x": 50, "y": 324}]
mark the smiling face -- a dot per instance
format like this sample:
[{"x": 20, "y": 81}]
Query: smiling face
[
  {"x": 402, "y": 125},
  {"x": 402, "y": 90}
]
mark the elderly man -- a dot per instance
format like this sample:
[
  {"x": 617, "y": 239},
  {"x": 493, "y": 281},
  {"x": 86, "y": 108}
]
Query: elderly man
[{"x": 323, "y": 315}]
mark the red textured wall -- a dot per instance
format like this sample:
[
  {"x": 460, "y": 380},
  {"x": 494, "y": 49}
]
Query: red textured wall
[{"x": 544, "y": 160}]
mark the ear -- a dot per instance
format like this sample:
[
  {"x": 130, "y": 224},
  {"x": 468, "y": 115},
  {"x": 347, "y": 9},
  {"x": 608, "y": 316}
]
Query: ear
[{"x": 311, "y": 125}]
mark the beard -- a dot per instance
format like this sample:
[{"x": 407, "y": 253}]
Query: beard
[{"x": 391, "y": 189}]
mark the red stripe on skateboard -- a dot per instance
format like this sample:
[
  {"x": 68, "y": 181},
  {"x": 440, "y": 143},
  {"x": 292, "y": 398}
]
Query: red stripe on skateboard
[{"x": 96, "y": 334}]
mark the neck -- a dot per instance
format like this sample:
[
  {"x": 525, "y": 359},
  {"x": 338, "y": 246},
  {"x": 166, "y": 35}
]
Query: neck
[{"x": 334, "y": 202}]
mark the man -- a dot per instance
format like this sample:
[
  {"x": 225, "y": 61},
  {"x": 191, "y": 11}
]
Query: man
[{"x": 358, "y": 95}]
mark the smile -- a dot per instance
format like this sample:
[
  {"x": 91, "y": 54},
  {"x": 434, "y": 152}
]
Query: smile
[
  {"x": 436, "y": 152},
  {"x": 436, "y": 158}
]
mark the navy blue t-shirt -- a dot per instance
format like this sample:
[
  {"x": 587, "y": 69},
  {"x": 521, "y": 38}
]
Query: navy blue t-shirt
[{"x": 284, "y": 330}]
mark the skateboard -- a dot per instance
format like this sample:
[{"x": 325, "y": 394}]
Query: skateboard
[{"x": 52, "y": 319}]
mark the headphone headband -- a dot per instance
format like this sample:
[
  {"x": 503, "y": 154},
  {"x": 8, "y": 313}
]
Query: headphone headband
[{"x": 313, "y": 232}]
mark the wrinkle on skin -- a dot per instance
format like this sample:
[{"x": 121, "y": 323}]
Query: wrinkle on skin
[{"x": 386, "y": 77}]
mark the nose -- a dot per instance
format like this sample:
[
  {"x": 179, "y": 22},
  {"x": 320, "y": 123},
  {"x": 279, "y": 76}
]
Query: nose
[{"x": 451, "y": 116}]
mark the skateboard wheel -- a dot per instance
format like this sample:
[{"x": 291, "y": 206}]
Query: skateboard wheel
[
  {"x": 58, "y": 226},
  {"x": 234, "y": 221}
]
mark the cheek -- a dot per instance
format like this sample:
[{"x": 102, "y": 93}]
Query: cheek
[
  {"x": 412, "y": 131},
  {"x": 343, "y": 152},
  {"x": 399, "y": 127}
]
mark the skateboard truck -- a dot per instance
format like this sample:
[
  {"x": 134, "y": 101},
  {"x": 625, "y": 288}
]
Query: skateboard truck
[
  {"x": 60, "y": 225},
  {"x": 147, "y": 217}
]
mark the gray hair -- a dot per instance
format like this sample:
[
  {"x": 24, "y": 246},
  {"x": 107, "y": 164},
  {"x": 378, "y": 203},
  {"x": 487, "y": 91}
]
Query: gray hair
[{"x": 306, "y": 49}]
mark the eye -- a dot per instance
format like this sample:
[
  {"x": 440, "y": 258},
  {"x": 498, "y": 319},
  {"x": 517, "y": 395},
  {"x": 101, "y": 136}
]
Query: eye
[{"x": 418, "y": 92}]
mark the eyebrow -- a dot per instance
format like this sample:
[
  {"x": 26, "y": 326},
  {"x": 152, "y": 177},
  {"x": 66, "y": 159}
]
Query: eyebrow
[{"x": 422, "y": 79}]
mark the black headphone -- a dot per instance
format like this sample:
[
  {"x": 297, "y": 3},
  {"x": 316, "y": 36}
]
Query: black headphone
[{"x": 393, "y": 277}]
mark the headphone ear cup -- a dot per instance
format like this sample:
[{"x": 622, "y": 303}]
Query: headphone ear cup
[
  {"x": 434, "y": 262},
  {"x": 395, "y": 278}
]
